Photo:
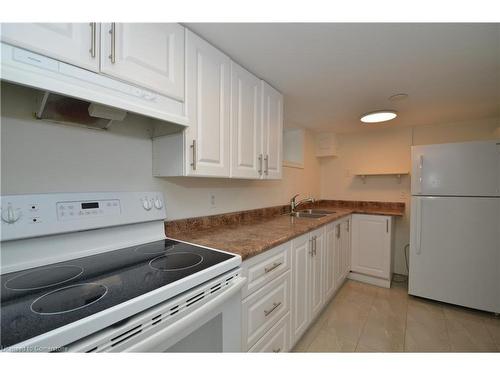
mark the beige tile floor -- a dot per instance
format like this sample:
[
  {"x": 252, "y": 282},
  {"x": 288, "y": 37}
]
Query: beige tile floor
[{"x": 366, "y": 318}]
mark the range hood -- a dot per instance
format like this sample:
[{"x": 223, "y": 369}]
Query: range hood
[
  {"x": 66, "y": 110},
  {"x": 77, "y": 96}
]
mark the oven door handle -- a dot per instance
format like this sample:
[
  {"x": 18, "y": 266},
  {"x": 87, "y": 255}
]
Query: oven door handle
[{"x": 157, "y": 338}]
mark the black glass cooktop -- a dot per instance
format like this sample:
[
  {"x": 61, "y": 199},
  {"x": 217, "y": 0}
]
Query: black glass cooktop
[{"x": 41, "y": 299}]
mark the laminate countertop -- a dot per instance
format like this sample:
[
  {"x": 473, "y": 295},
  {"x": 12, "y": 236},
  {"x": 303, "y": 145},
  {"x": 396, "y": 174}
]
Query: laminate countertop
[{"x": 249, "y": 233}]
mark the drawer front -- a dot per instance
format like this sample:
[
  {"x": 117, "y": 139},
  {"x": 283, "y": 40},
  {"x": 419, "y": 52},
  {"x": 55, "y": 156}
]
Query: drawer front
[
  {"x": 264, "y": 268},
  {"x": 276, "y": 340},
  {"x": 264, "y": 308}
]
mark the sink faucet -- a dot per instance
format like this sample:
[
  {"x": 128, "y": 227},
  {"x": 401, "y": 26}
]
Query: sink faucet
[{"x": 294, "y": 204}]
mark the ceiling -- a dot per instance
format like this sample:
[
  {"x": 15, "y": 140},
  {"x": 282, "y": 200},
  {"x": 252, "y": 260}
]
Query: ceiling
[{"x": 331, "y": 74}]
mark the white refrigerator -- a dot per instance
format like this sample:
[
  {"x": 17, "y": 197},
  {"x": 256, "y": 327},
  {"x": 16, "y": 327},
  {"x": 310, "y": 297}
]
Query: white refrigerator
[{"x": 455, "y": 224}]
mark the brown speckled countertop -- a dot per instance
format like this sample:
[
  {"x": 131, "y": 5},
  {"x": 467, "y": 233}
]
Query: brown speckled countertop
[{"x": 249, "y": 233}]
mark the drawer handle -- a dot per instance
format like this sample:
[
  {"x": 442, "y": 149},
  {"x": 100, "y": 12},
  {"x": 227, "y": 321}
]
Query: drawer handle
[
  {"x": 273, "y": 267},
  {"x": 277, "y": 350},
  {"x": 275, "y": 306}
]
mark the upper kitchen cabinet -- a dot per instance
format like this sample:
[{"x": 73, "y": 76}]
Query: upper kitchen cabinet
[
  {"x": 247, "y": 160},
  {"x": 208, "y": 75},
  {"x": 203, "y": 148},
  {"x": 73, "y": 43},
  {"x": 256, "y": 127},
  {"x": 272, "y": 131},
  {"x": 150, "y": 55}
]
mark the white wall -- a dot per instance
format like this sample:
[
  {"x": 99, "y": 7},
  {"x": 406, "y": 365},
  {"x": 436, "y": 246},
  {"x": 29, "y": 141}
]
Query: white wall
[
  {"x": 389, "y": 150},
  {"x": 39, "y": 156}
]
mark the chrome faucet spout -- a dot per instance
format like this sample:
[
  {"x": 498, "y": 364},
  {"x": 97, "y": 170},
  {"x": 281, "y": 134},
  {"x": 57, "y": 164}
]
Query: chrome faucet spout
[{"x": 294, "y": 204}]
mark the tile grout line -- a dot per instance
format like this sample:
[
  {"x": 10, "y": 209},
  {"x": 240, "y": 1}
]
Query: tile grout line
[
  {"x": 364, "y": 324},
  {"x": 406, "y": 322},
  {"x": 483, "y": 321},
  {"x": 306, "y": 349},
  {"x": 447, "y": 329}
]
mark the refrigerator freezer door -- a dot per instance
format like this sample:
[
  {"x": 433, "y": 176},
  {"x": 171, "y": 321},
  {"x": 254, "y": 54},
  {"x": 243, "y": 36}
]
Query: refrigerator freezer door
[
  {"x": 455, "y": 251},
  {"x": 458, "y": 169}
]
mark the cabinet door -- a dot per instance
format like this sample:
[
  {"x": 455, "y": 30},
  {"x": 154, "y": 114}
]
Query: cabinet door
[
  {"x": 338, "y": 256},
  {"x": 208, "y": 89},
  {"x": 316, "y": 271},
  {"x": 246, "y": 138},
  {"x": 301, "y": 258},
  {"x": 345, "y": 239},
  {"x": 329, "y": 262},
  {"x": 272, "y": 130},
  {"x": 371, "y": 245},
  {"x": 146, "y": 54},
  {"x": 73, "y": 43}
]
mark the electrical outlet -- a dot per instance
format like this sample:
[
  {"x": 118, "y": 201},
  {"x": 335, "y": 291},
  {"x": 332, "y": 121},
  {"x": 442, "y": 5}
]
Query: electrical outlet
[{"x": 212, "y": 200}]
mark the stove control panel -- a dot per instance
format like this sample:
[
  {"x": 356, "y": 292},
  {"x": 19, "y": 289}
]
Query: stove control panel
[
  {"x": 24, "y": 216},
  {"x": 81, "y": 210}
]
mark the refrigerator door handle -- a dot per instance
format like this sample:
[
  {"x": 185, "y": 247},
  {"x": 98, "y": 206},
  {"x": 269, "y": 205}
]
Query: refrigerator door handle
[
  {"x": 420, "y": 173},
  {"x": 418, "y": 233}
]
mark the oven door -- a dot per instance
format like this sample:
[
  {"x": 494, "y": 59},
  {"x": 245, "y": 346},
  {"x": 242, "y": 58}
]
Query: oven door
[
  {"x": 213, "y": 327},
  {"x": 205, "y": 319}
]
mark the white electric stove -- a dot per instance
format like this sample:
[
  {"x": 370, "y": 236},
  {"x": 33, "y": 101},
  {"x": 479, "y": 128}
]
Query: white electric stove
[{"x": 94, "y": 272}]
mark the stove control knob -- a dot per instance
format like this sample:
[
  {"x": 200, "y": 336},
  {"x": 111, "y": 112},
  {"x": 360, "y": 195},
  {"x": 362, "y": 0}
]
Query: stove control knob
[
  {"x": 10, "y": 216},
  {"x": 158, "y": 203},
  {"x": 146, "y": 203}
]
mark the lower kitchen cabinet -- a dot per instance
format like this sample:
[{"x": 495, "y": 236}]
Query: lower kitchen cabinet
[
  {"x": 276, "y": 340},
  {"x": 345, "y": 245},
  {"x": 329, "y": 264},
  {"x": 266, "y": 301},
  {"x": 313, "y": 276},
  {"x": 316, "y": 271},
  {"x": 372, "y": 249},
  {"x": 340, "y": 244},
  {"x": 289, "y": 285},
  {"x": 301, "y": 291}
]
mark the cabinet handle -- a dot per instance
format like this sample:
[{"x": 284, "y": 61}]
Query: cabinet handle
[
  {"x": 275, "y": 306},
  {"x": 337, "y": 233},
  {"x": 277, "y": 350},
  {"x": 273, "y": 267},
  {"x": 260, "y": 165},
  {"x": 314, "y": 242},
  {"x": 266, "y": 159},
  {"x": 387, "y": 226},
  {"x": 193, "y": 148},
  {"x": 112, "y": 31},
  {"x": 93, "y": 26},
  {"x": 312, "y": 246}
]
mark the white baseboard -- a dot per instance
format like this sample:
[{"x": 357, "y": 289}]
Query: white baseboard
[{"x": 369, "y": 279}]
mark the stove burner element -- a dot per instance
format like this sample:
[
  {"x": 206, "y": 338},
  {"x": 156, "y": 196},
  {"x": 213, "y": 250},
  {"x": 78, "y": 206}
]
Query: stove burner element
[
  {"x": 43, "y": 278},
  {"x": 153, "y": 248},
  {"x": 69, "y": 298},
  {"x": 176, "y": 261}
]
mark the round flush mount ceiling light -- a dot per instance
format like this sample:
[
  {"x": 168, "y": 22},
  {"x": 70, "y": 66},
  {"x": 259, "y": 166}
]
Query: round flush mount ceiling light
[{"x": 378, "y": 116}]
